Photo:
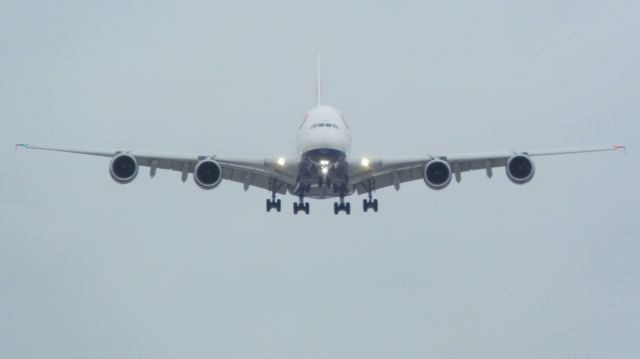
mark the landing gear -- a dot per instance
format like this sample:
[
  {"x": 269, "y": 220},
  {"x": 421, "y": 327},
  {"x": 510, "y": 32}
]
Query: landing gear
[
  {"x": 273, "y": 203},
  {"x": 339, "y": 188},
  {"x": 373, "y": 204},
  {"x": 370, "y": 203},
  {"x": 324, "y": 181},
  {"x": 342, "y": 206},
  {"x": 301, "y": 206}
]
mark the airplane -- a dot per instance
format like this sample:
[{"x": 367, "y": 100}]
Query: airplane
[{"x": 322, "y": 168}]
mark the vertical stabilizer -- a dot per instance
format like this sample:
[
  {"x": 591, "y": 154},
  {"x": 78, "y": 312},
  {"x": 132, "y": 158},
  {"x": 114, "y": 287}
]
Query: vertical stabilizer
[{"x": 318, "y": 83}]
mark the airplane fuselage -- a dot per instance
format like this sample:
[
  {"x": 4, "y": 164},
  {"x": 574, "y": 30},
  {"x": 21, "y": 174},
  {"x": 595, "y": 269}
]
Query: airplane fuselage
[{"x": 323, "y": 142}]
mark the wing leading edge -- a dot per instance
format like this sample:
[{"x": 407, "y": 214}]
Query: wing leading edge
[
  {"x": 279, "y": 176},
  {"x": 262, "y": 173},
  {"x": 380, "y": 173}
]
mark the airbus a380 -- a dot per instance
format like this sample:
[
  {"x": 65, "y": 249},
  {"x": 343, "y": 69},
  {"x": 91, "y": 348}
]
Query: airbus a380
[{"x": 322, "y": 168}]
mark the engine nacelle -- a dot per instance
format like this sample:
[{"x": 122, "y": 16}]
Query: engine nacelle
[
  {"x": 437, "y": 174},
  {"x": 123, "y": 168},
  {"x": 520, "y": 169},
  {"x": 207, "y": 174}
]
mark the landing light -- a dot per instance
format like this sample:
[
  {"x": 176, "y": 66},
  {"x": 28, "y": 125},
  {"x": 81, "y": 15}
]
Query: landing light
[
  {"x": 324, "y": 162},
  {"x": 281, "y": 161},
  {"x": 324, "y": 170},
  {"x": 365, "y": 162}
]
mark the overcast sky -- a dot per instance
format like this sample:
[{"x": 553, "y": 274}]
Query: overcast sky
[{"x": 162, "y": 269}]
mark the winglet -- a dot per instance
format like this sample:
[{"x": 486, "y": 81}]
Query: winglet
[
  {"x": 18, "y": 145},
  {"x": 617, "y": 147},
  {"x": 318, "y": 83}
]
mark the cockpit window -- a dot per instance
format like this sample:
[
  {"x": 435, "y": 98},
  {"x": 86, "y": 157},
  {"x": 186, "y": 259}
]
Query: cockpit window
[{"x": 325, "y": 124}]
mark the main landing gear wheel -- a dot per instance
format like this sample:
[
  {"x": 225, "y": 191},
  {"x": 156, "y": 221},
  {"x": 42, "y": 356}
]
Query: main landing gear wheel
[
  {"x": 301, "y": 207},
  {"x": 370, "y": 203},
  {"x": 277, "y": 204},
  {"x": 342, "y": 206},
  {"x": 273, "y": 202}
]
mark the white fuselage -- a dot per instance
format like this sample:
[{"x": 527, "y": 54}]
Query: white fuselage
[
  {"x": 323, "y": 128},
  {"x": 323, "y": 142}
]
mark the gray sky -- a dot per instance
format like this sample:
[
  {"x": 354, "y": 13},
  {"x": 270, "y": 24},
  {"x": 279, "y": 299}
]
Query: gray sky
[{"x": 162, "y": 269}]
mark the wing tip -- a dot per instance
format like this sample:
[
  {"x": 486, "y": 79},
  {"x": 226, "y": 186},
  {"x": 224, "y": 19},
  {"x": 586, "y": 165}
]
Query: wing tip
[{"x": 622, "y": 147}]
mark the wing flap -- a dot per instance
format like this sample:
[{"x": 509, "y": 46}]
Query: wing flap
[{"x": 386, "y": 178}]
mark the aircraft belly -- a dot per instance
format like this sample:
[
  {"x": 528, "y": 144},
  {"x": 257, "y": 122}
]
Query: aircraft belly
[
  {"x": 320, "y": 193},
  {"x": 322, "y": 173}
]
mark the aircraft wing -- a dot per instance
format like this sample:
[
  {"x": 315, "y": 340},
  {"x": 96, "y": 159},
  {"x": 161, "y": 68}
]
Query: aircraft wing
[
  {"x": 373, "y": 174},
  {"x": 263, "y": 173}
]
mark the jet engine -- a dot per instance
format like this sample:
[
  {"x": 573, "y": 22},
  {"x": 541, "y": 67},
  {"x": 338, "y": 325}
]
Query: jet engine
[
  {"x": 207, "y": 174},
  {"x": 437, "y": 174},
  {"x": 520, "y": 169},
  {"x": 123, "y": 168}
]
